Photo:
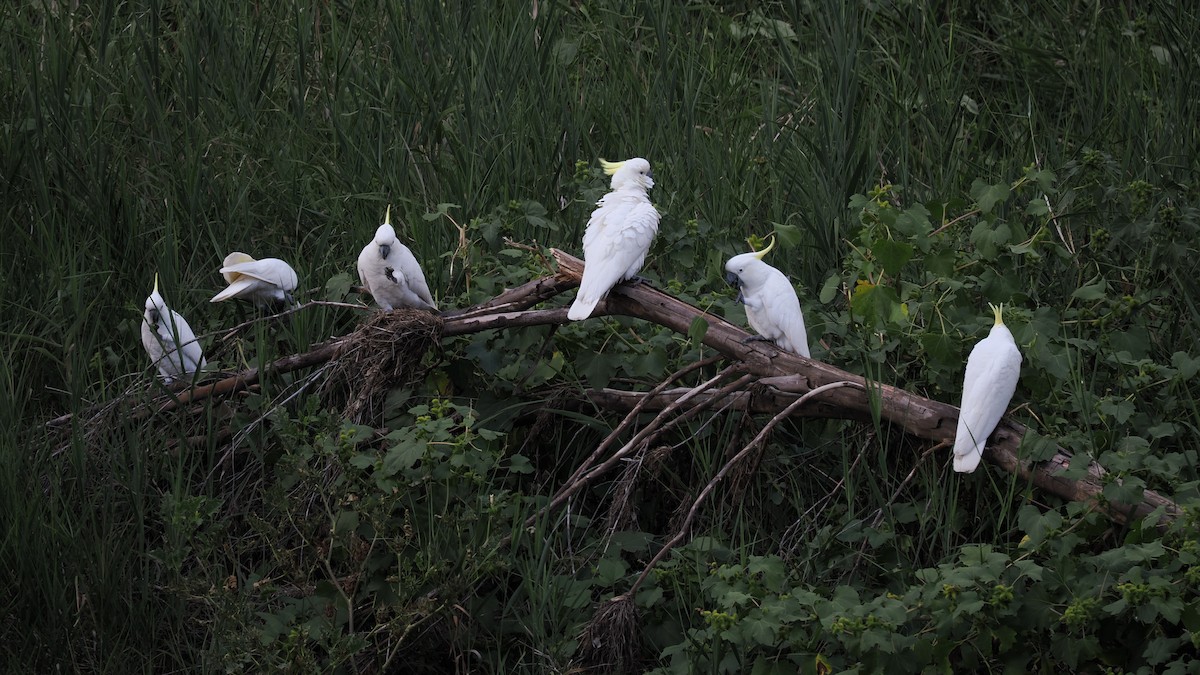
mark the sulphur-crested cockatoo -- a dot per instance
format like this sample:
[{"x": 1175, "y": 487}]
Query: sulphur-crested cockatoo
[
  {"x": 169, "y": 339},
  {"x": 771, "y": 303},
  {"x": 988, "y": 386},
  {"x": 391, "y": 273},
  {"x": 264, "y": 282},
  {"x": 618, "y": 234}
]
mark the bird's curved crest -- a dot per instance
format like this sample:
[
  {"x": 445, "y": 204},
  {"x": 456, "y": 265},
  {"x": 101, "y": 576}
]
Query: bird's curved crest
[
  {"x": 610, "y": 167},
  {"x": 998, "y": 312},
  {"x": 762, "y": 254},
  {"x": 156, "y": 282},
  {"x": 387, "y": 217}
]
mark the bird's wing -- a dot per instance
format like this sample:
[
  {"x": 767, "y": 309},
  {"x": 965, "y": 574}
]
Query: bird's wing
[
  {"x": 406, "y": 263},
  {"x": 271, "y": 270},
  {"x": 613, "y": 251},
  {"x": 993, "y": 368},
  {"x": 190, "y": 356},
  {"x": 364, "y": 265},
  {"x": 783, "y": 306},
  {"x": 243, "y": 285},
  {"x": 153, "y": 343}
]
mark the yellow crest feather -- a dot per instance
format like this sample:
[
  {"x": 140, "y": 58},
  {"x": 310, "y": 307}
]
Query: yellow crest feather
[
  {"x": 610, "y": 167},
  {"x": 387, "y": 218},
  {"x": 998, "y": 312},
  {"x": 762, "y": 254},
  {"x": 156, "y": 282}
]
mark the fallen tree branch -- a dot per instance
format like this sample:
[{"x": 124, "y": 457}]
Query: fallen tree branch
[
  {"x": 919, "y": 416},
  {"x": 782, "y": 377}
]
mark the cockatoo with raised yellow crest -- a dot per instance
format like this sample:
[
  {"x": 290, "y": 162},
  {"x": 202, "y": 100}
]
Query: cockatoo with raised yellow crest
[
  {"x": 618, "y": 234},
  {"x": 772, "y": 306},
  {"x": 991, "y": 378},
  {"x": 169, "y": 340},
  {"x": 269, "y": 281},
  {"x": 390, "y": 271}
]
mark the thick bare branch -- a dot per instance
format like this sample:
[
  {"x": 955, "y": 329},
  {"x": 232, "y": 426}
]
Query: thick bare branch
[{"x": 920, "y": 416}]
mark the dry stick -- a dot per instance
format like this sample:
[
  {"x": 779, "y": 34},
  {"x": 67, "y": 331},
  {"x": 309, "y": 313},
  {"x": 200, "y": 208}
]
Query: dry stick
[
  {"x": 637, "y": 409},
  {"x": 751, "y": 446},
  {"x": 578, "y": 479}
]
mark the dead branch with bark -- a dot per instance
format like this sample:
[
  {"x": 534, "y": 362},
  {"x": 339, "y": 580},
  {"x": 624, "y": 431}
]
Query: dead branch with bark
[{"x": 765, "y": 380}]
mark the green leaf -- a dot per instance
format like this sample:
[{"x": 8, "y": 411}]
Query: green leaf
[
  {"x": 403, "y": 457},
  {"x": 878, "y": 305},
  {"x": 988, "y": 196},
  {"x": 830, "y": 289},
  {"x": 1096, "y": 289},
  {"x": 698, "y": 330},
  {"x": 788, "y": 235},
  {"x": 892, "y": 255},
  {"x": 338, "y": 287},
  {"x": 941, "y": 262}
]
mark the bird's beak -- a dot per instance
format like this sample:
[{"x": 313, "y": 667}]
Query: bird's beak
[
  {"x": 385, "y": 251},
  {"x": 154, "y": 316},
  {"x": 761, "y": 254},
  {"x": 733, "y": 280}
]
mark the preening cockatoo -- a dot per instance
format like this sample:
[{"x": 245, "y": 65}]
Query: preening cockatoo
[
  {"x": 771, "y": 303},
  {"x": 988, "y": 386},
  {"x": 391, "y": 273},
  {"x": 263, "y": 282},
  {"x": 618, "y": 234},
  {"x": 169, "y": 339}
]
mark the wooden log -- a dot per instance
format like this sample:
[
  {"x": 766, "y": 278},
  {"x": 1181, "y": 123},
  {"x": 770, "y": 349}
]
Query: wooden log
[{"x": 917, "y": 415}]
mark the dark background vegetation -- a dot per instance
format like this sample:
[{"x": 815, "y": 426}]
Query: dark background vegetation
[{"x": 916, "y": 162}]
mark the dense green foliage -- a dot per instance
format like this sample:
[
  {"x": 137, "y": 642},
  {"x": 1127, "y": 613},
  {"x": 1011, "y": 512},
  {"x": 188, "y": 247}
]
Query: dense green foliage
[{"x": 916, "y": 162}]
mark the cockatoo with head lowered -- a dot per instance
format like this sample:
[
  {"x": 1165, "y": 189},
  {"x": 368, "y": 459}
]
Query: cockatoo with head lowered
[
  {"x": 390, "y": 271},
  {"x": 992, "y": 371},
  {"x": 618, "y": 234},
  {"x": 772, "y": 306},
  {"x": 269, "y": 281},
  {"x": 169, "y": 339}
]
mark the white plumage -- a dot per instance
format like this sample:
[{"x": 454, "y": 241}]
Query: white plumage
[
  {"x": 263, "y": 282},
  {"x": 772, "y": 306},
  {"x": 391, "y": 273},
  {"x": 169, "y": 340},
  {"x": 618, "y": 234},
  {"x": 991, "y": 378}
]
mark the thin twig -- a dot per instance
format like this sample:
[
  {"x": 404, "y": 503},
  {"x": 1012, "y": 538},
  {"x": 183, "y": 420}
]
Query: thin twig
[{"x": 751, "y": 446}]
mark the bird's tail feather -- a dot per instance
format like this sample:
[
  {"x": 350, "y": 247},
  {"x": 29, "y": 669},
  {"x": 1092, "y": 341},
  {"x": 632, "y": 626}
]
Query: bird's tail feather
[
  {"x": 968, "y": 461},
  {"x": 582, "y": 308}
]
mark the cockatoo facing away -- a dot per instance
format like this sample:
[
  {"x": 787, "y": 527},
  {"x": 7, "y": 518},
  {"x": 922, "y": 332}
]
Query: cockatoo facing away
[
  {"x": 391, "y": 273},
  {"x": 618, "y": 234},
  {"x": 772, "y": 306},
  {"x": 169, "y": 340},
  {"x": 264, "y": 282},
  {"x": 991, "y": 378}
]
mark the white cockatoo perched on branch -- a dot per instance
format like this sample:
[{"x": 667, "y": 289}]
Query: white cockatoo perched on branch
[
  {"x": 991, "y": 378},
  {"x": 618, "y": 234},
  {"x": 390, "y": 271},
  {"x": 269, "y": 281},
  {"x": 169, "y": 340},
  {"x": 772, "y": 306}
]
